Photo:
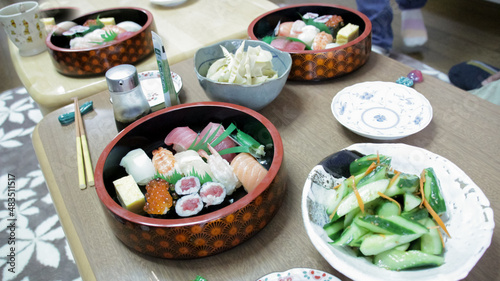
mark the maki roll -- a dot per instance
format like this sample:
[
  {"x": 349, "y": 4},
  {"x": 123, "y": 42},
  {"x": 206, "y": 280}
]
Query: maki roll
[
  {"x": 189, "y": 205},
  {"x": 212, "y": 193},
  {"x": 187, "y": 185}
]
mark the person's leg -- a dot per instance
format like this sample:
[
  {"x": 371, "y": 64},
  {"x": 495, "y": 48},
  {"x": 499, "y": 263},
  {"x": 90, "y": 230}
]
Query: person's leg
[
  {"x": 412, "y": 22},
  {"x": 380, "y": 14},
  {"x": 469, "y": 75}
]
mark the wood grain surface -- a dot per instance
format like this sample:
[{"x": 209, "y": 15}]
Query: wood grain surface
[{"x": 464, "y": 129}]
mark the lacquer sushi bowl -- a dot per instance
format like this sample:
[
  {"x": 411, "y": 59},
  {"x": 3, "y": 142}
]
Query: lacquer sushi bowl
[
  {"x": 323, "y": 64},
  {"x": 96, "y": 60},
  {"x": 212, "y": 231},
  {"x": 255, "y": 96}
]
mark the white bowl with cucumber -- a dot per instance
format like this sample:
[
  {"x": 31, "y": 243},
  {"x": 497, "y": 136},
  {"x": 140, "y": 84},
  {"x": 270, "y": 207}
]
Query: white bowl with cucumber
[{"x": 369, "y": 220}]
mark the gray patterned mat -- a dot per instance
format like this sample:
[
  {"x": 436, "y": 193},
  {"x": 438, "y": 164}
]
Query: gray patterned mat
[{"x": 32, "y": 242}]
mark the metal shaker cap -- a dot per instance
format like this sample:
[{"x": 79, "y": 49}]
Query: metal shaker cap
[{"x": 122, "y": 78}]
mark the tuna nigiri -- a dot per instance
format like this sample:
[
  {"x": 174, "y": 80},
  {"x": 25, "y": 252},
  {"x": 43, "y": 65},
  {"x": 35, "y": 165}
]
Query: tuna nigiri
[
  {"x": 248, "y": 170},
  {"x": 225, "y": 143},
  {"x": 181, "y": 138}
]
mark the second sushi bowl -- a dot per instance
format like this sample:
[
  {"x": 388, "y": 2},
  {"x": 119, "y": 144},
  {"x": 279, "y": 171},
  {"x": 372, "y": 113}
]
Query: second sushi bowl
[{"x": 214, "y": 229}]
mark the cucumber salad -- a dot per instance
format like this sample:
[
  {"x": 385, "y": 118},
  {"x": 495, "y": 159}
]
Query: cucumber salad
[{"x": 389, "y": 217}]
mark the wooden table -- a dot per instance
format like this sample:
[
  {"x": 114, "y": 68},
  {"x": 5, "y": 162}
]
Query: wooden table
[
  {"x": 184, "y": 29},
  {"x": 464, "y": 130}
]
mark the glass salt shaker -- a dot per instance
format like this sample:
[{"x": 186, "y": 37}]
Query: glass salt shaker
[{"x": 129, "y": 102}]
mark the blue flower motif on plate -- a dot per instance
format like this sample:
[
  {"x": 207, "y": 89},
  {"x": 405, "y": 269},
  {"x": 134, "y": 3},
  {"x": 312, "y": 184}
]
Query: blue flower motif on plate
[{"x": 380, "y": 118}]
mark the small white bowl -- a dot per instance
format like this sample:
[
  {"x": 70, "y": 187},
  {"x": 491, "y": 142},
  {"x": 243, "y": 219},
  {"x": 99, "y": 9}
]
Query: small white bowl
[{"x": 254, "y": 97}]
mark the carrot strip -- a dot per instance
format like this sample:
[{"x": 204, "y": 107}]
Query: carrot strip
[
  {"x": 435, "y": 216},
  {"x": 390, "y": 199},
  {"x": 358, "y": 197},
  {"x": 334, "y": 211},
  {"x": 337, "y": 186},
  {"x": 394, "y": 178},
  {"x": 441, "y": 236},
  {"x": 372, "y": 167},
  {"x": 422, "y": 181},
  {"x": 378, "y": 159}
]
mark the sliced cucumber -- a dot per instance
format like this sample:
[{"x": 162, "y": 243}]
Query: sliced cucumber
[
  {"x": 416, "y": 214},
  {"x": 390, "y": 225},
  {"x": 404, "y": 183},
  {"x": 380, "y": 172},
  {"x": 350, "y": 234},
  {"x": 403, "y": 247},
  {"x": 411, "y": 201},
  {"x": 374, "y": 244},
  {"x": 367, "y": 193},
  {"x": 334, "y": 229},
  {"x": 341, "y": 193},
  {"x": 387, "y": 209},
  {"x": 431, "y": 242},
  {"x": 399, "y": 260},
  {"x": 432, "y": 191},
  {"x": 360, "y": 165}
]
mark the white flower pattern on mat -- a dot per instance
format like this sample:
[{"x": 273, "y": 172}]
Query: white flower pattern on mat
[{"x": 40, "y": 245}]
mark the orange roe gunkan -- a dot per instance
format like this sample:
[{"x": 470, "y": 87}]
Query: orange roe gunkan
[{"x": 158, "y": 199}]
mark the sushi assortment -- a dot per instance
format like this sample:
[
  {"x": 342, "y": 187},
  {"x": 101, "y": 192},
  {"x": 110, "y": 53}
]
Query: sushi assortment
[
  {"x": 95, "y": 32},
  {"x": 193, "y": 172},
  {"x": 312, "y": 32}
]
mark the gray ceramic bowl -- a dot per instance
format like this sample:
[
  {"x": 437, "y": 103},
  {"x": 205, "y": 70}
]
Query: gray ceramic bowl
[{"x": 255, "y": 97}]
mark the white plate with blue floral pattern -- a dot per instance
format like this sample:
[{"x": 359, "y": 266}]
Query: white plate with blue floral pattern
[{"x": 382, "y": 110}]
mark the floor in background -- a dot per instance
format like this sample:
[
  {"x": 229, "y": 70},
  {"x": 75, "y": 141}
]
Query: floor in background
[{"x": 40, "y": 244}]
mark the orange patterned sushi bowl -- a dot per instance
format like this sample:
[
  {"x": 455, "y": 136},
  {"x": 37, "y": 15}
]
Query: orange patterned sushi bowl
[
  {"x": 97, "y": 60},
  {"x": 318, "y": 65},
  {"x": 211, "y": 232}
]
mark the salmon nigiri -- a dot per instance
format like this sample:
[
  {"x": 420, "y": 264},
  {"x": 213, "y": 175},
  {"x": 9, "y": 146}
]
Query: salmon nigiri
[{"x": 248, "y": 170}]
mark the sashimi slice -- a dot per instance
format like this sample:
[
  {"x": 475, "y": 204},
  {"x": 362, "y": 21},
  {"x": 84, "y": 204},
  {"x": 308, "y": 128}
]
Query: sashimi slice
[
  {"x": 225, "y": 143},
  {"x": 248, "y": 170},
  {"x": 295, "y": 46},
  {"x": 181, "y": 138},
  {"x": 280, "y": 43}
]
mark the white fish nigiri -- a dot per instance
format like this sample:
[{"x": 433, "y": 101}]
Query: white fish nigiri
[
  {"x": 139, "y": 166},
  {"x": 190, "y": 161}
]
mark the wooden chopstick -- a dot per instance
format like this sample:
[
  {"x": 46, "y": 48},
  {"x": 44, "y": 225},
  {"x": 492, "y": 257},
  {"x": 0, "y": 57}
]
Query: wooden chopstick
[
  {"x": 85, "y": 147},
  {"x": 79, "y": 155}
]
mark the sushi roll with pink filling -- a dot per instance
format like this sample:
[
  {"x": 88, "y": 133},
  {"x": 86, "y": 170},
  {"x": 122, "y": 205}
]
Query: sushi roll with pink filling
[
  {"x": 187, "y": 185},
  {"x": 189, "y": 205},
  {"x": 212, "y": 193}
]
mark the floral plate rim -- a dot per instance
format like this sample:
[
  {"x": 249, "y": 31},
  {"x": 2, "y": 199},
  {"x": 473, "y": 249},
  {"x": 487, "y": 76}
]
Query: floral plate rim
[{"x": 299, "y": 274}]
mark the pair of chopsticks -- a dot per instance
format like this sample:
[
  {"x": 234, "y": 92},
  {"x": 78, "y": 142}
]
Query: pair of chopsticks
[{"x": 82, "y": 151}]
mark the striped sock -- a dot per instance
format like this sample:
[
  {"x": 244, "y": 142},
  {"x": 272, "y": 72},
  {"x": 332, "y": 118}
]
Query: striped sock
[{"x": 413, "y": 28}]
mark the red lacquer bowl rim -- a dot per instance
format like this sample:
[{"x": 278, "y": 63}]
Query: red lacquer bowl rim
[
  {"x": 97, "y": 48},
  {"x": 361, "y": 37},
  {"x": 121, "y": 212}
]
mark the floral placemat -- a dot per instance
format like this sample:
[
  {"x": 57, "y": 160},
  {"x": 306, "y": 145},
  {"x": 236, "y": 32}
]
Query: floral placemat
[{"x": 32, "y": 241}]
